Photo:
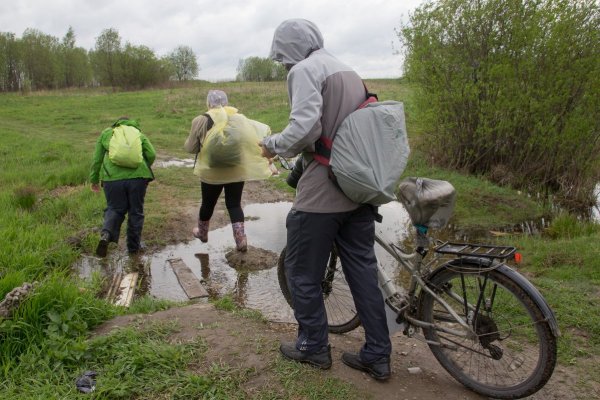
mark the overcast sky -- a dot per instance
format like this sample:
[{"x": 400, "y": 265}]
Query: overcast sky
[{"x": 360, "y": 33}]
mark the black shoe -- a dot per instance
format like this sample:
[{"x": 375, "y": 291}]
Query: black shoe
[
  {"x": 135, "y": 252},
  {"x": 320, "y": 359},
  {"x": 379, "y": 369},
  {"x": 102, "y": 248}
]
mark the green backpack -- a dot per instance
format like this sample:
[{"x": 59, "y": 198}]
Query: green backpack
[{"x": 125, "y": 147}]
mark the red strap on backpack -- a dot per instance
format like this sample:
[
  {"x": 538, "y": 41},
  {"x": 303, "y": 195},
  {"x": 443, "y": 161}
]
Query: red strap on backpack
[{"x": 323, "y": 145}]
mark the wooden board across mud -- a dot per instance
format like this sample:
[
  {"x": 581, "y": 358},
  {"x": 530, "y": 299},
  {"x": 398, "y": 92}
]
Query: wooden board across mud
[
  {"x": 126, "y": 289},
  {"x": 188, "y": 281}
]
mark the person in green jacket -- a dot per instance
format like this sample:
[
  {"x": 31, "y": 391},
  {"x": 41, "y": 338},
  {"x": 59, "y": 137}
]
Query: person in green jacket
[{"x": 124, "y": 187}]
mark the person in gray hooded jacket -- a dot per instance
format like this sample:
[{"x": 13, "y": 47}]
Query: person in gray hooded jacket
[{"x": 322, "y": 92}]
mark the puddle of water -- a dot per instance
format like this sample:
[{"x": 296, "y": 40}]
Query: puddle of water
[
  {"x": 175, "y": 162},
  {"x": 114, "y": 263},
  {"x": 265, "y": 228}
]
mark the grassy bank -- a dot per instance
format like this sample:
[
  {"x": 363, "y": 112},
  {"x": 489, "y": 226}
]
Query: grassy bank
[{"x": 50, "y": 218}]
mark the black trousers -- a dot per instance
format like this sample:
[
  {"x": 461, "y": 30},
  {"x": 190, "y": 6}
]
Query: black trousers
[
  {"x": 233, "y": 200},
  {"x": 310, "y": 238},
  {"x": 125, "y": 197}
]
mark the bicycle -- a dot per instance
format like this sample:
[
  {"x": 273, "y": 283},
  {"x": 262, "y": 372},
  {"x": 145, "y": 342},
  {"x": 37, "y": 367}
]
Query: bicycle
[{"x": 485, "y": 323}]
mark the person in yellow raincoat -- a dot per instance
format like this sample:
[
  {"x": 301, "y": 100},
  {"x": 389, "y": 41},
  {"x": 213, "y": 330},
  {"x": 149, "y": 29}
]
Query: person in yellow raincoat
[{"x": 227, "y": 156}]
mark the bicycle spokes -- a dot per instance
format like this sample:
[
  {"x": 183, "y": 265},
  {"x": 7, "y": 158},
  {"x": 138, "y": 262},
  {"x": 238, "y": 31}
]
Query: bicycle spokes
[{"x": 500, "y": 340}]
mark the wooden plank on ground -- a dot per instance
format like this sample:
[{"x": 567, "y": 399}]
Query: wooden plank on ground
[
  {"x": 126, "y": 289},
  {"x": 114, "y": 287},
  {"x": 188, "y": 281}
]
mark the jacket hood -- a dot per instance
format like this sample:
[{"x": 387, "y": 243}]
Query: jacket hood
[
  {"x": 129, "y": 122},
  {"x": 294, "y": 40}
]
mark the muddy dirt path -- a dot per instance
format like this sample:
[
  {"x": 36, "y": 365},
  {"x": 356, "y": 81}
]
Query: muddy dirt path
[{"x": 229, "y": 342}]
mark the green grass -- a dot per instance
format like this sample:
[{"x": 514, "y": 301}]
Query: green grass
[
  {"x": 55, "y": 316},
  {"x": 131, "y": 362},
  {"x": 304, "y": 382},
  {"x": 227, "y": 303},
  {"x": 46, "y": 146},
  {"x": 567, "y": 272},
  {"x": 148, "y": 304}
]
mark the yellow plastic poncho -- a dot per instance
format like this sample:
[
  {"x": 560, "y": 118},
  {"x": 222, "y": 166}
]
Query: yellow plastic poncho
[{"x": 230, "y": 151}]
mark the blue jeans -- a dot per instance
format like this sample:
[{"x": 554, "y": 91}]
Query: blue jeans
[
  {"x": 310, "y": 238},
  {"x": 125, "y": 197}
]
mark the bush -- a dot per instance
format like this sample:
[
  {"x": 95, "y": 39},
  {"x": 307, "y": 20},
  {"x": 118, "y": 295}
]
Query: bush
[
  {"x": 509, "y": 90},
  {"x": 257, "y": 69}
]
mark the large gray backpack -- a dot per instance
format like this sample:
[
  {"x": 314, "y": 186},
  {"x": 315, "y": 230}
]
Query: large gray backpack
[{"x": 369, "y": 153}]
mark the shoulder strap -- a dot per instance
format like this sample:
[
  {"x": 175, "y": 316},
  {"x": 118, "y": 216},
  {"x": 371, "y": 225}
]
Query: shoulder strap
[
  {"x": 369, "y": 98},
  {"x": 209, "y": 123},
  {"x": 323, "y": 144}
]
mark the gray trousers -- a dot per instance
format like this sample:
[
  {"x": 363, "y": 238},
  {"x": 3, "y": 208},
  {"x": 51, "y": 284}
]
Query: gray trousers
[{"x": 310, "y": 238}]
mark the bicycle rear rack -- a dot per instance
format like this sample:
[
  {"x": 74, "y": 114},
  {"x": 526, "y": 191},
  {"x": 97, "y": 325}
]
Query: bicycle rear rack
[{"x": 477, "y": 250}]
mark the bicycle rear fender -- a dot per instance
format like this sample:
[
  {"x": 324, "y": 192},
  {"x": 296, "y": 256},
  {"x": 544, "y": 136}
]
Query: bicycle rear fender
[{"x": 477, "y": 263}]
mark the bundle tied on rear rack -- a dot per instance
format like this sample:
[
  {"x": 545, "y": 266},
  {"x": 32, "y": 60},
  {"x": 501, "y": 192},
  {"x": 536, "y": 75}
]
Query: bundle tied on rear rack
[{"x": 429, "y": 202}]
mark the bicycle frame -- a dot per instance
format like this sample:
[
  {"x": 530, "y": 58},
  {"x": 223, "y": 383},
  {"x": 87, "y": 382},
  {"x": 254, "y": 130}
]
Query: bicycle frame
[{"x": 412, "y": 262}]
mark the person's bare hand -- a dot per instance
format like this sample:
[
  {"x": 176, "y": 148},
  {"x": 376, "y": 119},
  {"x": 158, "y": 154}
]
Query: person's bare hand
[
  {"x": 95, "y": 187},
  {"x": 264, "y": 152}
]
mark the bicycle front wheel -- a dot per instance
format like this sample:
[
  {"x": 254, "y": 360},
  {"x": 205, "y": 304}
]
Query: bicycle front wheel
[
  {"x": 509, "y": 351},
  {"x": 342, "y": 316}
]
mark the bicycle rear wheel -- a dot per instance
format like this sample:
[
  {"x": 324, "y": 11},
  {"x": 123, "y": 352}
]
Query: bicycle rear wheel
[
  {"x": 513, "y": 351},
  {"x": 342, "y": 316}
]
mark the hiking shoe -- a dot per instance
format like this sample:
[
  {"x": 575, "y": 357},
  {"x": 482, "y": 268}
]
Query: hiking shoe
[
  {"x": 102, "y": 248},
  {"x": 379, "y": 369},
  {"x": 320, "y": 359},
  {"x": 137, "y": 251}
]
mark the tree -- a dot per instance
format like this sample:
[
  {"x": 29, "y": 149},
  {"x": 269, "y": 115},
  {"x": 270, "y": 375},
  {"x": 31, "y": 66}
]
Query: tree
[
  {"x": 259, "y": 69},
  {"x": 10, "y": 62},
  {"x": 509, "y": 89},
  {"x": 140, "y": 67},
  {"x": 185, "y": 65},
  {"x": 41, "y": 59},
  {"x": 69, "y": 39},
  {"x": 105, "y": 57},
  {"x": 76, "y": 65}
]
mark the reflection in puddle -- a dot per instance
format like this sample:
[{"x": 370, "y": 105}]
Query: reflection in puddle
[
  {"x": 265, "y": 228},
  {"x": 113, "y": 268}
]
